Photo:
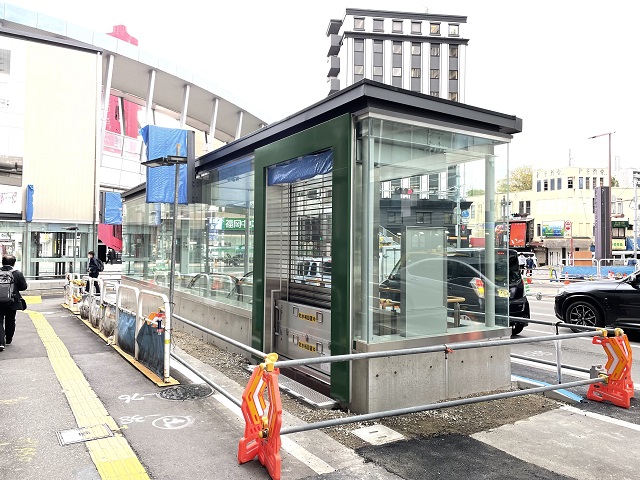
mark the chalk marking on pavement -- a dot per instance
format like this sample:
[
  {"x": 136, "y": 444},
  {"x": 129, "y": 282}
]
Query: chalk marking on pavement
[
  {"x": 113, "y": 456},
  {"x": 603, "y": 418},
  {"x": 309, "y": 459}
]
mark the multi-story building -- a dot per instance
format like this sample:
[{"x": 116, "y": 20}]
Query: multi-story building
[
  {"x": 559, "y": 212},
  {"x": 421, "y": 52},
  {"x": 71, "y": 104}
]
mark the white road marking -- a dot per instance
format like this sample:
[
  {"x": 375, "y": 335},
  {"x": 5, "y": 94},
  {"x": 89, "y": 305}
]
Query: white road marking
[
  {"x": 309, "y": 459},
  {"x": 603, "y": 418}
]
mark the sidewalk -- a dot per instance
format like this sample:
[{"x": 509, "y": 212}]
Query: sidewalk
[{"x": 77, "y": 380}]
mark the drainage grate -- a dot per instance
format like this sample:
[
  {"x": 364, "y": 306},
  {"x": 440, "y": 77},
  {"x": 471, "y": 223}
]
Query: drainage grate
[
  {"x": 84, "y": 434},
  {"x": 302, "y": 392},
  {"x": 186, "y": 392}
]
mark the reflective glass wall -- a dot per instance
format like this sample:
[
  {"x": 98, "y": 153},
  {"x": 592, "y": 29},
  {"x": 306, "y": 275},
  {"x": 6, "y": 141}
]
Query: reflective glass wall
[
  {"x": 422, "y": 265},
  {"x": 214, "y": 254}
]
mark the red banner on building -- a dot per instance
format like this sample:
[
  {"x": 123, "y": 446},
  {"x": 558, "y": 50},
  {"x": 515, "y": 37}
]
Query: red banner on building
[{"x": 517, "y": 234}]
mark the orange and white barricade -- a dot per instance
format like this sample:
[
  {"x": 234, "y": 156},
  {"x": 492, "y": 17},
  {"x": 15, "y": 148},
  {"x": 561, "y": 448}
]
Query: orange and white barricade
[
  {"x": 262, "y": 421},
  {"x": 619, "y": 387}
]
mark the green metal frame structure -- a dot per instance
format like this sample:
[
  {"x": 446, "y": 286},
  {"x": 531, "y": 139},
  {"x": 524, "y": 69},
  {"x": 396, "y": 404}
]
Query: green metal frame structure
[{"x": 335, "y": 134}]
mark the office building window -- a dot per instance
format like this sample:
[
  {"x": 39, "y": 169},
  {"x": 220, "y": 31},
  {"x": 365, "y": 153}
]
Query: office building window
[
  {"x": 423, "y": 217},
  {"x": 538, "y": 186},
  {"x": 396, "y": 72},
  {"x": 377, "y": 71},
  {"x": 521, "y": 207},
  {"x": 545, "y": 185},
  {"x": 454, "y": 30},
  {"x": 435, "y": 49},
  {"x": 377, "y": 46},
  {"x": 539, "y": 230},
  {"x": 378, "y": 24},
  {"x": 396, "y": 26},
  {"x": 415, "y": 73},
  {"x": 435, "y": 73},
  {"x": 416, "y": 49},
  {"x": 559, "y": 183},
  {"x": 570, "y": 182},
  {"x": 397, "y": 47},
  {"x": 587, "y": 180},
  {"x": 580, "y": 185},
  {"x": 358, "y": 23},
  {"x": 394, "y": 217},
  {"x": 601, "y": 182},
  {"x": 416, "y": 27},
  {"x": 453, "y": 96},
  {"x": 358, "y": 69},
  {"x": 358, "y": 45},
  {"x": 453, "y": 51},
  {"x": 594, "y": 182},
  {"x": 553, "y": 184},
  {"x": 453, "y": 74},
  {"x": 434, "y": 93},
  {"x": 527, "y": 208},
  {"x": 434, "y": 29}
]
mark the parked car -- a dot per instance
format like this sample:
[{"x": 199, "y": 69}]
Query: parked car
[
  {"x": 601, "y": 303},
  {"x": 466, "y": 278}
]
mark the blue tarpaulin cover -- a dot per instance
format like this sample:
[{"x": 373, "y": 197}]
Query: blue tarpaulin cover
[
  {"x": 580, "y": 272},
  {"x": 112, "y": 208},
  {"x": 151, "y": 348},
  {"x": 162, "y": 142},
  {"x": 127, "y": 332},
  {"x": 301, "y": 168},
  {"x": 29, "y": 212}
]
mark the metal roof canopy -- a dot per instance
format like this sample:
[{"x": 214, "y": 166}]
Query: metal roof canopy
[
  {"x": 367, "y": 95},
  {"x": 132, "y": 65}
]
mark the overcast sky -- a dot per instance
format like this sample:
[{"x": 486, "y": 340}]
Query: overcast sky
[{"x": 566, "y": 67}]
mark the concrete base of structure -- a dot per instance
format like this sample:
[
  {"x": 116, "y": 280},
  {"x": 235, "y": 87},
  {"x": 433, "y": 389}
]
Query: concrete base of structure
[
  {"x": 44, "y": 287},
  {"x": 410, "y": 380}
]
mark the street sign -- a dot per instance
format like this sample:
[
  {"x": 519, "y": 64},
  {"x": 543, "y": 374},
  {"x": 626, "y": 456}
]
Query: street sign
[{"x": 567, "y": 225}]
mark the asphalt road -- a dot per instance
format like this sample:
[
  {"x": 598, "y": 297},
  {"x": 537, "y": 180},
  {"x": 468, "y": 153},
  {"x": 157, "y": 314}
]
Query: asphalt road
[{"x": 578, "y": 352}]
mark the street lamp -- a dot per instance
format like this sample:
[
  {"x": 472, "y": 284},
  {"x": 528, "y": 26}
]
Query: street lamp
[
  {"x": 163, "y": 162},
  {"x": 602, "y": 135}
]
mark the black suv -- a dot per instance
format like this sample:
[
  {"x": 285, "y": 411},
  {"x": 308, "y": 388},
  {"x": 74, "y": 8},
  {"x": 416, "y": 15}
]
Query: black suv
[{"x": 466, "y": 278}]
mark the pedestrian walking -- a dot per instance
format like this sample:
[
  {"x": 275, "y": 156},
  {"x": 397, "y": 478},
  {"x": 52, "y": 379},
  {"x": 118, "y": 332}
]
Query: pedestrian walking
[
  {"x": 529, "y": 266},
  {"x": 111, "y": 256},
  {"x": 94, "y": 269},
  {"x": 12, "y": 282}
]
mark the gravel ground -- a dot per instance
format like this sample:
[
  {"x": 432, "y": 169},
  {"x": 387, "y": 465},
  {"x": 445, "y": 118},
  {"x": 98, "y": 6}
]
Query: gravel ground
[{"x": 464, "y": 420}]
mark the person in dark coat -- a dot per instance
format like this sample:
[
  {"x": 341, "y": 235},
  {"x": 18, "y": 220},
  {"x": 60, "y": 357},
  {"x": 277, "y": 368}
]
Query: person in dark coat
[
  {"x": 8, "y": 311},
  {"x": 111, "y": 256},
  {"x": 93, "y": 271}
]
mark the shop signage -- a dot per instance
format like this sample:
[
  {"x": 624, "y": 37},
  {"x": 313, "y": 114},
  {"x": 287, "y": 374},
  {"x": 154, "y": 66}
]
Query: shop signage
[
  {"x": 618, "y": 244},
  {"x": 619, "y": 223},
  {"x": 228, "y": 224},
  {"x": 554, "y": 229}
]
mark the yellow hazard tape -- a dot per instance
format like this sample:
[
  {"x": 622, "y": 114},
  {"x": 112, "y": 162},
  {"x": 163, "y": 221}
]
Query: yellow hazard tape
[{"x": 113, "y": 456}]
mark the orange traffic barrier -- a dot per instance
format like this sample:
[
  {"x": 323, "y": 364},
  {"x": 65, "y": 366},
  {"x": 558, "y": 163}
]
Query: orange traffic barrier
[
  {"x": 262, "y": 421},
  {"x": 619, "y": 387}
]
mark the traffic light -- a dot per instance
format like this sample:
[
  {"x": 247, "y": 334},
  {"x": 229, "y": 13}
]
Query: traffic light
[{"x": 403, "y": 191}]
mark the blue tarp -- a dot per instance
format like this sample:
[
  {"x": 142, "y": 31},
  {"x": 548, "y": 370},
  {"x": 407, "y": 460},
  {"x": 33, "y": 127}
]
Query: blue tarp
[
  {"x": 162, "y": 142},
  {"x": 301, "y": 168},
  {"x": 151, "y": 349},
  {"x": 629, "y": 243},
  {"x": 29, "y": 211},
  {"x": 127, "y": 332},
  {"x": 112, "y": 208}
]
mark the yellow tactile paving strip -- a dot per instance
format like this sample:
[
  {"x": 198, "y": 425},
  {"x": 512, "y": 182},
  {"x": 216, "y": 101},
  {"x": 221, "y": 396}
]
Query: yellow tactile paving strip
[{"x": 112, "y": 456}]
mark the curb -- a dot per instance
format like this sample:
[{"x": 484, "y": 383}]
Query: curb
[{"x": 559, "y": 395}]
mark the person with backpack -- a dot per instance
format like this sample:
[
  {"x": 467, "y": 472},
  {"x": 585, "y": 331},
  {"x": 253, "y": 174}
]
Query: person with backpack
[
  {"x": 12, "y": 282},
  {"x": 94, "y": 268}
]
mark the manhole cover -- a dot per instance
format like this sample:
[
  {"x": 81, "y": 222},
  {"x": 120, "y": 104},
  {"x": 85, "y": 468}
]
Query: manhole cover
[{"x": 186, "y": 392}]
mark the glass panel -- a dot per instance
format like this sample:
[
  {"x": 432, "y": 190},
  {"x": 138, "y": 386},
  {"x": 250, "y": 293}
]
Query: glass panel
[
  {"x": 214, "y": 258},
  {"x": 430, "y": 270}
]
